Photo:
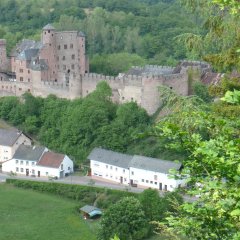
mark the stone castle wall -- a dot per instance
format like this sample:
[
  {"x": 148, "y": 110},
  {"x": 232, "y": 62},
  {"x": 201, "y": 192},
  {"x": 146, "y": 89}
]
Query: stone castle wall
[{"x": 141, "y": 89}]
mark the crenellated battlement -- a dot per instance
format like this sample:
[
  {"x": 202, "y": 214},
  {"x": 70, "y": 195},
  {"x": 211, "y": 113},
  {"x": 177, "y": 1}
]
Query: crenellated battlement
[{"x": 55, "y": 84}]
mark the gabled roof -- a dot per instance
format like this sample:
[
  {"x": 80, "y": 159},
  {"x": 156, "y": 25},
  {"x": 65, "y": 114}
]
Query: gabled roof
[
  {"x": 48, "y": 27},
  {"x": 81, "y": 34},
  {"x": 31, "y": 153},
  {"x": 51, "y": 159},
  {"x": 25, "y": 44},
  {"x": 28, "y": 54},
  {"x": 110, "y": 157},
  {"x": 153, "y": 164},
  {"x": 9, "y": 137},
  {"x": 150, "y": 69}
]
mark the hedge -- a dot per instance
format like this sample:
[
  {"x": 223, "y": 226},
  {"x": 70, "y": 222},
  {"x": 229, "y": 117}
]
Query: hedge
[{"x": 102, "y": 197}]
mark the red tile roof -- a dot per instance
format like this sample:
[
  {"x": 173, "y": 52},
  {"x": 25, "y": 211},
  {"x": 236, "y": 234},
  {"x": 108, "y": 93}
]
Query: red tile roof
[{"x": 51, "y": 159}]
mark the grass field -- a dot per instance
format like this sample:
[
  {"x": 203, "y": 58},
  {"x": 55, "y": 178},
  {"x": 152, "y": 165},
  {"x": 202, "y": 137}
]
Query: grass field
[{"x": 27, "y": 215}]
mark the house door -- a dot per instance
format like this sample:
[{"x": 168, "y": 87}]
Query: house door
[
  {"x": 38, "y": 173},
  {"x": 27, "y": 172},
  {"x": 121, "y": 179},
  {"x": 165, "y": 187},
  {"x": 160, "y": 186},
  {"x": 131, "y": 182}
]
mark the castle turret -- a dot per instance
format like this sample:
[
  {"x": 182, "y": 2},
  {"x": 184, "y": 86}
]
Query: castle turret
[
  {"x": 3, "y": 55},
  {"x": 48, "y": 34},
  {"x": 48, "y": 52}
]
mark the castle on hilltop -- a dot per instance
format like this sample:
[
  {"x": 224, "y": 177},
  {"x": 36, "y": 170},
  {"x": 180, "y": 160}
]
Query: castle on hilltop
[{"x": 58, "y": 65}]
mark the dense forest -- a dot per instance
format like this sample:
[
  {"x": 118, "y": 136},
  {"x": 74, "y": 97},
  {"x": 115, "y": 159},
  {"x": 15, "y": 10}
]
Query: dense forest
[{"x": 147, "y": 30}]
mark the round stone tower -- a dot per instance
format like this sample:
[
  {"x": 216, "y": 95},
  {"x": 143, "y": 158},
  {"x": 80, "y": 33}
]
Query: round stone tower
[
  {"x": 48, "y": 34},
  {"x": 75, "y": 86},
  {"x": 3, "y": 55}
]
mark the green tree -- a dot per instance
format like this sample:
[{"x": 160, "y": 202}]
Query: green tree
[
  {"x": 201, "y": 91},
  {"x": 151, "y": 203},
  {"x": 212, "y": 143},
  {"x": 126, "y": 219}
]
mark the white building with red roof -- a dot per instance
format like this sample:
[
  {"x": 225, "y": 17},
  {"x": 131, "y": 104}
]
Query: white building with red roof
[{"x": 38, "y": 161}]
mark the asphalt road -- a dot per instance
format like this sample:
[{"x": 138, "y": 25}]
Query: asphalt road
[{"x": 88, "y": 181}]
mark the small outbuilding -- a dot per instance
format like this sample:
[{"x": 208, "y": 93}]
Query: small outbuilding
[{"x": 90, "y": 211}]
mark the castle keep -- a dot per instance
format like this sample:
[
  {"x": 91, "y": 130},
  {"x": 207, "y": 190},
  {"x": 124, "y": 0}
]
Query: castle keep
[{"x": 58, "y": 65}]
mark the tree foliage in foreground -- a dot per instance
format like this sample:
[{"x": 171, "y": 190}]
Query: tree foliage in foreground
[
  {"x": 126, "y": 219},
  {"x": 213, "y": 165}
]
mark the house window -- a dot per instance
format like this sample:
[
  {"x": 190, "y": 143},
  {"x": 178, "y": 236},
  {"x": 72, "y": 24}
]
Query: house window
[
  {"x": 116, "y": 169},
  {"x": 21, "y": 162},
  {"x": 71, "y": 46},
  {"x": 63, "y": 58},
  {"x": 33, "y": 171},
  {"x": 132, "y": 172},
  {"x": 124, "y": 170},
  {"x": 17, "y": 169},
  {"x": 16, "y": 161},
  {"x": 123, "y": 98},
  {"x": 27, "y": 163},
  {"x": 61, "y": 166},
  {"x": 57, "y": 58},
  {"x": 142, "y": 180},
  {"x": 64, "y": 67},
  {"x": 110, "y": 167},
  {"x": 69, "y": 168},
  {"x": 73, "y": 56},
  {"x": 21, "y": 79},
  {"x": 65, "y": 46},
  {"x": 151, "y": 182},
  {"x": 147, "y": 181},
  {"x": 28, "y": 71},
  {"x": 106, "y": 166},
  {"x": 72, "y": 66},
  {"x": 21, "y": 169},
  {"x": 46, "y": 173},
  {"x": 21, "y": 70},
  {"x": 125, "y": 179},
  {"x": 155, "y": 177},
  {"x": 59, "y": 47},
  {"x": 32, "y": 163},
  {"x": 155, "y": 183}
]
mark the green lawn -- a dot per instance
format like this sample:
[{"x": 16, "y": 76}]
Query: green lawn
[{"x": 27, "y": 215}]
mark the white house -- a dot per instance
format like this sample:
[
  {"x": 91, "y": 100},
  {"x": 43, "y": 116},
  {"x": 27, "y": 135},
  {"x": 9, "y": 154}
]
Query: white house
[
  {"x": 38, "y": 161},
  {"x": 10, "y": 140},
  {"x": 54, "y": 164},
  {"x": 135, "y": 170},
  {"x": 110, "y": 165},
  {"x": 154, "y": 173}
]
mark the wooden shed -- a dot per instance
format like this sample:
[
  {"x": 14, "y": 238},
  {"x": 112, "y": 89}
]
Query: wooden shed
[{"x": 90, "y": 211}]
